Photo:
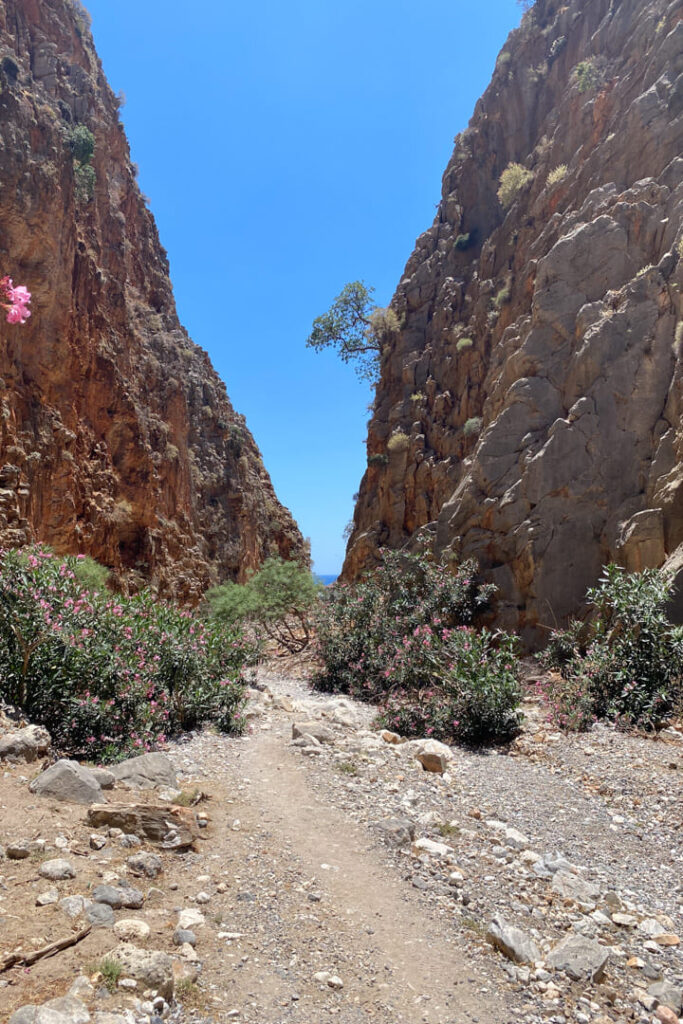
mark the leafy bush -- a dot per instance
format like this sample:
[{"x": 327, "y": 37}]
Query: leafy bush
[
  {"x": 587, "y": 75},
  {"x": 401, "y": 637},
  {"x": 626, "y": 664},
  {"x": 502, "y": 297},
  {"x": 90, "y": 575},
  {"x": 475, "y": 696},
  {"x": 463, "y": 242},
  {"x": 418, "y": 396},
  {"x": 278, "y": 600},
  {"x": 82, "y": 142},
  {"x": 398, "y": 442},
  {"x": 512, "y": 180},
  {"x": 378, "y": 459},
  {"x": 463, "y": 344},
  {"x": 472, "y": 426},
  {"x": 107, "y": 674}
]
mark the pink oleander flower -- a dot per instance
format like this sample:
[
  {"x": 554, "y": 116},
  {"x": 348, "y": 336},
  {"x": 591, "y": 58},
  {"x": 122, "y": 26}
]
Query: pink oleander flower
[{"x": 17, "y": 301}]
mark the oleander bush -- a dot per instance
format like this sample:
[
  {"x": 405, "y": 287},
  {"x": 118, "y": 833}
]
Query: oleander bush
[
  {"x": 403, "y": 637},
  {"x": 105, "y": 674},
  {"x": 625, "y": 664}
]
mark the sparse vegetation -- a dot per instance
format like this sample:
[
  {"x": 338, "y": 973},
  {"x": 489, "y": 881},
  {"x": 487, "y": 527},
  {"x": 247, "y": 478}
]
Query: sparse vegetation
[
  {"x": 398, "y": 442},
  {"x": 557, "y": 175},
  {"x": 503, "y": 60},
  {"x": 472, "y": 426},
  {"x": 417, "y": 397},
  {"x": 501, "y": 297},
  {"x": 626, "y": 663},
  {"x": 82, "y": 144},
  {"x": 378, "y": 459},
  {"x": 463, "y": 242},
  {"x": 512, "y": 181},
  {"x": 587, "y": 75},
  {"x": 463, "y": 344},
  {"x": 110, "y": 970}
]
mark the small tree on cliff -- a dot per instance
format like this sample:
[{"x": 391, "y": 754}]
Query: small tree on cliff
[{"x": 356, "y": 329}]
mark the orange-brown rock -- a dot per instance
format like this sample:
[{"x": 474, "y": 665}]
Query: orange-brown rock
[
  {"x": 117, "y": 437},
  {"x": 537, "y": 374}
]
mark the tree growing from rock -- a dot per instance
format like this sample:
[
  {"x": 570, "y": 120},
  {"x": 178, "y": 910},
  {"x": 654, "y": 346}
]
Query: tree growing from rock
[{"x": 356, "y": 329}]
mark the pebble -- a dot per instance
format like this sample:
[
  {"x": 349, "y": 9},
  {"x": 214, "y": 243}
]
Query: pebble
[{"x": 57, "y": 870}]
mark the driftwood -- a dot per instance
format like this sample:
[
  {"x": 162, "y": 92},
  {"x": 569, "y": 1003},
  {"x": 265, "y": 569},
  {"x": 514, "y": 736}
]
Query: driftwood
[{"x": 25, "y": 960}]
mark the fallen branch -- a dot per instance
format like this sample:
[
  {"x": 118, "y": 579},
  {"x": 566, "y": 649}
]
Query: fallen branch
[{"x": 40, "y": 954}]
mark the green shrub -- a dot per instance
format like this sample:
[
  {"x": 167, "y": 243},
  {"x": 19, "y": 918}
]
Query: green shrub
[
  {"x": 502, "y": 297},
  {"x": 464, "y": 344},
  {"x": 107, "y": 674},
  {"x": 464, "y": 242},
  {"x": 277, "y": 600},
  {"x": 418, "y": 396},
  {"x": 82, "y": 143},
  {"x": 401, "y": 637},
  {"x": 472, "y": 427},
  {"x": 85, "y": 178},
  {"x": 90, "y": 575},
  {"x": 626, "y": 664},
  {"x": 512, "y": 180},
  {"x": 557, "y": 175},
  {"x": 587, "y": 75},
  {"x": 378, "y": 459},
  {"x": 398, "y": 442},
  {"x": 503, "y": 60}
]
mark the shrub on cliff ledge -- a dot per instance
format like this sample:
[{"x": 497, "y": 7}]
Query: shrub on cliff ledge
[
  {"x": 512, "y": 181},
  {"x": 626, "y": 664},
  {"x": 107, "y": 674},
  {"x": 401, "y": 637}
]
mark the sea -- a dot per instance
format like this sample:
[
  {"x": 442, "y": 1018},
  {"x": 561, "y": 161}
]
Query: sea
[{"x": 325, "y": 578}]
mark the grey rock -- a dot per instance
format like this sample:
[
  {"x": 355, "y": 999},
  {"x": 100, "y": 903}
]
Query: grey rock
[
  {"x": 148, "y": 771},
  {"x": 105, "y": 777},
  {"x": 73, "y": 1009},
  {"x": 574, "y": 887},
  {"x": 512, "y": 941},
  {"x": 68, "y": 781},
  {"x": 100, "y": 915},
  {"x": 45, "y": 899},
  {"x": 107, "y": 894},
  {"x": 74, "y": 906},
  {"x": 668, "y": 994},
  {"x": 27, "y": 744},
  {"x": 152, "y": 969},
  {"x": 183, "y": 935},
  {"x": 319, "y": 732},
  {"x": 144, "y": 863},
  {"x": 582, "y": 959},
  {"x": 57, "y": 870},
  {"x": 18, "y": 851},
  {"x": 396, "y": 831},
  {"x": 131, "y": 898}
]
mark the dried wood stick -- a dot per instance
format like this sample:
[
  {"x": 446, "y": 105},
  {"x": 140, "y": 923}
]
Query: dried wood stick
[{"x": 54, "y": 947}]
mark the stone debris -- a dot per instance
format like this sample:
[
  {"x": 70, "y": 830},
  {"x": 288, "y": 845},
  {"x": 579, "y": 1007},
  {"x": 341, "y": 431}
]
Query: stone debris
[
  {"x": 512, "y": 941},
  {"x": 28, "y": 744},
  {"x": 581, "y": 958}
]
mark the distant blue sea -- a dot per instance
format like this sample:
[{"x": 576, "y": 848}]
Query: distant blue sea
[{"x": 325, "y": 579}]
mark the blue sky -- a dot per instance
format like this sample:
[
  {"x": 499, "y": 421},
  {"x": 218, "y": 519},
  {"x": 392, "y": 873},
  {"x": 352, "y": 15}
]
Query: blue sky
[{"x": 287, "y": 148}]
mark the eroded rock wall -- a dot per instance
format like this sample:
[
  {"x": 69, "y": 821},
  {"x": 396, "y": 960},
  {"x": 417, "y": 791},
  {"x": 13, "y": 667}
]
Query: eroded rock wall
[
  {"x": 538, "y": 372},
  {"x": 117, "y": 438}
]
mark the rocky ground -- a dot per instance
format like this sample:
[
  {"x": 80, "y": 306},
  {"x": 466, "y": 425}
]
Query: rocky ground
[{"x": 331, "y": 877}]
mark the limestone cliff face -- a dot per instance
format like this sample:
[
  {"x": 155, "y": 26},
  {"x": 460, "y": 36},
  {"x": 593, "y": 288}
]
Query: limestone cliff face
[
  {"x": 117, "y": 437},
  {"x": 535, "y": 388}
]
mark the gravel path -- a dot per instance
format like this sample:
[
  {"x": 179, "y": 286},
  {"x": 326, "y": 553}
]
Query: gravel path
[{"x": 339, "y": 918}]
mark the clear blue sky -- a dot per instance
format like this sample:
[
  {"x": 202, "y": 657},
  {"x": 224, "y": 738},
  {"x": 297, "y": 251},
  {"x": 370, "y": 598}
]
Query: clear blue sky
[{"x": 287, "y": 148}]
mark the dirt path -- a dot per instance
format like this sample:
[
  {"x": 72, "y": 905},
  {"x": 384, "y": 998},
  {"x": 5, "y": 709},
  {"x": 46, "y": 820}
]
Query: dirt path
[{"x": 320, "y": 898}]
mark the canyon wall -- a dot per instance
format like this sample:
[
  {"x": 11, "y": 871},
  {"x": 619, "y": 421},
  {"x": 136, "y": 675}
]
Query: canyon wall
[
  {"x": 117, "y": 438},
  {"x": 529, "y": 408}
]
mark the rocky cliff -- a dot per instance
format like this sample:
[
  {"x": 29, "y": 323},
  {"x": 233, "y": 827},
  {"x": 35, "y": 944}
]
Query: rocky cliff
[
  {"x": 117, "y": 438},
  {"x": 529, "y": 409}
]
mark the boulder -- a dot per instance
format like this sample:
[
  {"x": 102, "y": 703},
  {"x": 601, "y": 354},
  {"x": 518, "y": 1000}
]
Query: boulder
[
  {"x": 317, "y": 730},
  {"x": 173, "y": 828},
  {"x": 105, "y": 777},
  {"x": 68, "y": 781},
  {"x": 574, "y": 887},
  {"x": 668, "y": 995},
  {"x": 151, "y": 968},
  {"x": 145, "y": 863},
  {"x": 129, "y": 929},
  {"x": 396, "y": 831},
  {"x": 148, "y": 771},
  {"x": 433, "y": 755},
  {"x": 57, "y": 870},
  {"x": 27, "y": 744},
  {"x": 512, "y": 941},
  {"x": 582, "y": 959}
]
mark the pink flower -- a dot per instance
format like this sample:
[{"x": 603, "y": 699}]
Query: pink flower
[{"x": 17, "y": 301}]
